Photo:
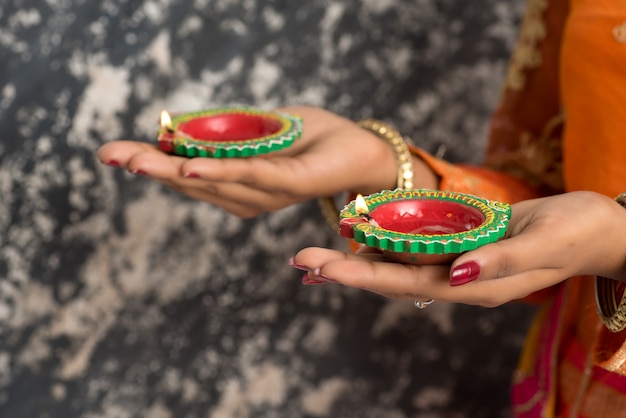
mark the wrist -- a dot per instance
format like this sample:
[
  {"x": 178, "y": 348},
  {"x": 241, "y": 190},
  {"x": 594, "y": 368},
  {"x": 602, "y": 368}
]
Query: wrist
[
  {"x": 378, "y": 167},
  {"x": 425, "y": 177},
  {"x": 610, "y": 291},
  {"x": 396, "y": 143},
  {"x": 620, "y": 219}
]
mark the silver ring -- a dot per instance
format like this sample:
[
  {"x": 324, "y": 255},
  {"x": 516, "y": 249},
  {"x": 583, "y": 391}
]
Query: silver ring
[{"x": 419, "y": 304}]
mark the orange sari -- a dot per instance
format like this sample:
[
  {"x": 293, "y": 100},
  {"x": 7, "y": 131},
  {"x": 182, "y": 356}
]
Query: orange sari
[{"x": 561, "y": 126}]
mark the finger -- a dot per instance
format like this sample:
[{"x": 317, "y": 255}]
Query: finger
[
  {"x": 157, "y": 165},
  {"x": 234, "y": 198},
  {"x": 510, "y": 257},
  {"x": 142, "y": 158},
  {"x": 315, "y": 257},
  {"x": 272, "y": 174},
  {"x": 119, "y": 153},
  {"x": 407, "y": 281},
  {"x": 431, "y": 282},
  {"x": 243, "y": 194},
  {"x": 148, "y": 161},
  {"x": 492, "y": 293},
  {"x": 370, "y": 272},
  {"x": 413, "y": 282}
]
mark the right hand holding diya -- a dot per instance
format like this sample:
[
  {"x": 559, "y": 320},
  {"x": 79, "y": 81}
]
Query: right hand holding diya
[{"x": 333, "y": 155}]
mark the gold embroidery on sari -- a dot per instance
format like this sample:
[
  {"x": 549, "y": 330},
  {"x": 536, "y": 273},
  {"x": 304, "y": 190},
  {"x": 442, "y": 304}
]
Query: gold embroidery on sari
[
  {"x": 527, "y": 54},
  {"x": 598, "y": 400},
  {"x": 616, "y": 363},
  {"x": 543, "y": 156},
  {"x": 538, "y": 158}
]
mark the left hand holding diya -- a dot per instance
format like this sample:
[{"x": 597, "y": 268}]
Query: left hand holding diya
[
  {"x": 332, "y": 155},
  {"x": 548, "y": 240}
]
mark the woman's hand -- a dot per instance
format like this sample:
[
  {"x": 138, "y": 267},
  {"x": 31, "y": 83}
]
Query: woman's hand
[
  {"x": 333, "y": 155},
  {"x": 549, "y": 240}
]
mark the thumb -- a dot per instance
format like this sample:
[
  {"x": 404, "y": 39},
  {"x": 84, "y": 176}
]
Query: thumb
[{"x": 522, "y": 254}]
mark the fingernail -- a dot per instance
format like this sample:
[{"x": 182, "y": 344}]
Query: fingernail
[
  {"x": 113, "y": 163},
  {"x": 319, "y": 274},
  {"x": 317, "y": 279},
  {"x": 309, "y": 281},
  {"x": 464, "y": 273},
  {"x": 139, "y": 172},
  {"x": 294, "y": 264},
  {"x": 192, "y": 175}
]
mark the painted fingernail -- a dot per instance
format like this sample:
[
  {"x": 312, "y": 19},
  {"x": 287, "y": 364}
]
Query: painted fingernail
[
  {"x": 317, "y": 279},
  {"x": 294, "y": 264},
  {"x": 139, "y": 172},
  {"x": 464, "y": 273},
  {"x": 192, "y": 175},
  {"x": 319, "y": 274},
  {"x": 309, "y": 281},
  {"x": 113, "y": 163}
]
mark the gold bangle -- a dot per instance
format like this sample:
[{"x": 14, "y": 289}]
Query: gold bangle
[
  {"x": 403, "y": 158},
  {"x": 398, "y": 144},
  {"x": 612, "y": 313}
]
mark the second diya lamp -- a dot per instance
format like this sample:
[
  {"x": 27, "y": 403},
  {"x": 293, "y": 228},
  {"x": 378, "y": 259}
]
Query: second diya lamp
[
  {"x": 227, "y": 132},
  {"x": 424, "y": 226}
]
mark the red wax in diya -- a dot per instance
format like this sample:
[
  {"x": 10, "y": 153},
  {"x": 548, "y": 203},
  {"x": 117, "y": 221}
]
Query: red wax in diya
[
  {"x": 424, "y": 226},
  {"x": 227, "y": 132}
]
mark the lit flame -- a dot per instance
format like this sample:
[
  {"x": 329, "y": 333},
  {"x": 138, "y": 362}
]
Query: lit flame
[
  {"x": 166, "y": 120},
  {"x": 361, "y": 206}
]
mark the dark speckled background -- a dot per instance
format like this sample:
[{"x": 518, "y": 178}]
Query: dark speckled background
[{"x": 119, "y": 298}]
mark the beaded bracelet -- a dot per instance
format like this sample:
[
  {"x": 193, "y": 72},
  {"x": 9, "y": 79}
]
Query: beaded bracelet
[
  {"x": 403, "y": 159},
  {"x": 610, "y": 295}
]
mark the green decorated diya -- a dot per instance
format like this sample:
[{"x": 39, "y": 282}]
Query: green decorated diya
[
  {"x": 227, "y": 132},
  {"x": 424, "y": 226}
]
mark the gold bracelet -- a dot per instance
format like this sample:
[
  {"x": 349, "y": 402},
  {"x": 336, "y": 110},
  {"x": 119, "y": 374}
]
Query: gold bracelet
[
  {"x": 612, "y": 313},
  {"x": 398, "y": 144},
  {"x": 403, "y": 159}
]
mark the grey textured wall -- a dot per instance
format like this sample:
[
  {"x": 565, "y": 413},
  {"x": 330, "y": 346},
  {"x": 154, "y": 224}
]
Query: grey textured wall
[{"x": 119, "y": 298}]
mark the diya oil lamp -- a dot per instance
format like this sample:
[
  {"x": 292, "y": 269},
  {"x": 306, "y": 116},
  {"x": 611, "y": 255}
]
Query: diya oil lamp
[
  {"x": 424, "y": 226},
  {"x": 228, "y": 132}
]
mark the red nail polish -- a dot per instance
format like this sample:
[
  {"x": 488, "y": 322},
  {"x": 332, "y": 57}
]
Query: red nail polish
[
  {"x": 310, "y": 281},
  {"x": 292, "y": 263},
  {"x": 464, "y": 273},
  {"x": 113, "y": 163},
  {"x": 139, "y": 172},
  {"x": 192, "y": 175},
  {"x": 317, "y": 279},
  {"x": 319, "y": 275}
]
